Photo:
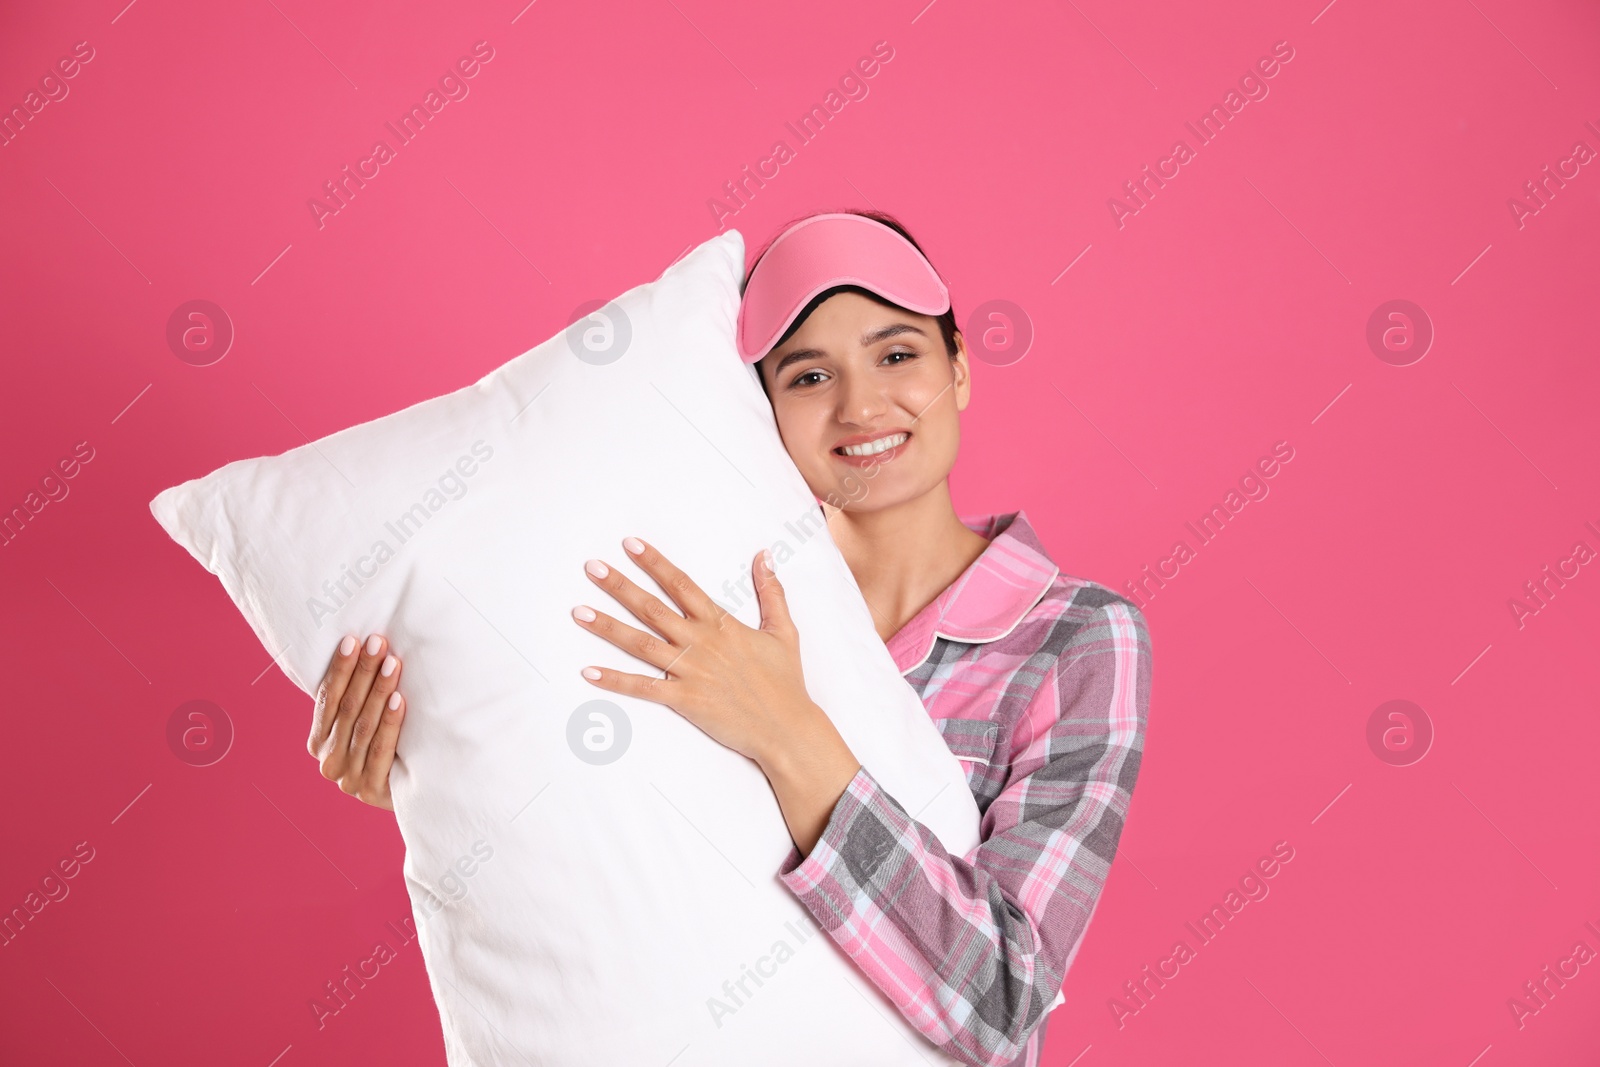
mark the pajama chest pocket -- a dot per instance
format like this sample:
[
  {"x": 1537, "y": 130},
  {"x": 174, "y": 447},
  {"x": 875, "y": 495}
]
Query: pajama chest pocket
[{"x": 972, "y": 740}]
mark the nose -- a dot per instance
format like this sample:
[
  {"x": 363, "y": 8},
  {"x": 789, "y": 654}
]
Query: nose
[{"x": 861, "y": 399}]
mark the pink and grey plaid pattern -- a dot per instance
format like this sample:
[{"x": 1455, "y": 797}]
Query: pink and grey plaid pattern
[{"x": 1040, "y": 684}]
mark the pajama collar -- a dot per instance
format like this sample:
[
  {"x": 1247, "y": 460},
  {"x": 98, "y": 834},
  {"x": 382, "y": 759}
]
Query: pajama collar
[{"x": 991, "y": 596}]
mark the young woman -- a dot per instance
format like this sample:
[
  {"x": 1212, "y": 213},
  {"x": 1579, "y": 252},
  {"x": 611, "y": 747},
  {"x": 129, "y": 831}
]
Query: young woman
[{"x": 1038, "y": 681}]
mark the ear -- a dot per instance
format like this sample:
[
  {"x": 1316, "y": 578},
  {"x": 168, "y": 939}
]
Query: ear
[{"x": 962, "y": 370}]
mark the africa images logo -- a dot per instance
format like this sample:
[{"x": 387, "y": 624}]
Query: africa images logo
[
  {"x": 337, "y": 592},
  {"x": 452, "y": 87}
]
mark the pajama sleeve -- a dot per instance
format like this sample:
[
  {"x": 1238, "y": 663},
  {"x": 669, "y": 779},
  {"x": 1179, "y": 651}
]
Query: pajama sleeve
[{"x": 974, "y": 949}]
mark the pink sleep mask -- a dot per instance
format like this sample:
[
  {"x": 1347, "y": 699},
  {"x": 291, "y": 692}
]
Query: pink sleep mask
[{"x": 820, "y": 252}]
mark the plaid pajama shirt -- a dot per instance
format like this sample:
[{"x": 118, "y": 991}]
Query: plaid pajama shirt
[{"x": 1040, "y": 684}]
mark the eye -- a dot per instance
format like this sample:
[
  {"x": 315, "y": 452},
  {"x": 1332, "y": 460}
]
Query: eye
[
  {"x": 908, "y": 353},
  {"x": 801, "y": 380}
]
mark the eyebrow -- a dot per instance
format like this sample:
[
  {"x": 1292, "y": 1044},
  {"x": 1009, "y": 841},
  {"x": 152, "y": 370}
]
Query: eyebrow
[{"x": 868, "y": 339}]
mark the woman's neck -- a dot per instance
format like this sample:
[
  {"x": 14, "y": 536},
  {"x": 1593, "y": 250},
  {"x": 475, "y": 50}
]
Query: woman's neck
[{"x": 905, "y": 556}]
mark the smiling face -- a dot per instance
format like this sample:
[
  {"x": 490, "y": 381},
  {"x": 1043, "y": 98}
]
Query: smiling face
[{"x": 866, "y": 398}]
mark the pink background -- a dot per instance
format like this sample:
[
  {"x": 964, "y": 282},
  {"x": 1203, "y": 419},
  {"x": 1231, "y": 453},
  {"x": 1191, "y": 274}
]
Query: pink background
[{"x": 1229, "y": 313}]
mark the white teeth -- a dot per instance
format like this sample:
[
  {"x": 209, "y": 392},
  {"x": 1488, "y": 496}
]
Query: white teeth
[{"x": 872, "y": 448}]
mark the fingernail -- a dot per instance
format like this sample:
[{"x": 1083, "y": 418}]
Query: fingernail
[
  {"x": 592, "y": 674},
  {"x": 388, "y": 665},
  {"x": 347, "y": 646},
  {"x": 596, "y": 568},
  {"x": 394, "y": 700},
  {"x": 766, "y": 560},
  {"x": 373, "y": 644},
  {"x": 583, "y": 613},
  {"x": 633, "y": 544}
]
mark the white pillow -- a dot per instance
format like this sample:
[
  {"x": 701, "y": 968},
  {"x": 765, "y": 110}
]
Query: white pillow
[{"x": 571, "y": 910}]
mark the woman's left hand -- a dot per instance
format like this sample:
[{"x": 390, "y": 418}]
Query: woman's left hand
[{"x": 742, "y": 686}]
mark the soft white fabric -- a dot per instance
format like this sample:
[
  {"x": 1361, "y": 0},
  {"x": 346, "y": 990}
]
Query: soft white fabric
[{"x": 574, "y": 912}]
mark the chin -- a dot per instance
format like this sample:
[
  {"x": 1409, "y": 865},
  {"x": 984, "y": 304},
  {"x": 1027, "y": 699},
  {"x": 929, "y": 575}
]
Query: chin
[{"x": 872, "y": 494}]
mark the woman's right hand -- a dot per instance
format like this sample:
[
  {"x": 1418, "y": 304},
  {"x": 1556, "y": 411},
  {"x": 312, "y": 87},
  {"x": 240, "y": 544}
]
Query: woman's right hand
[{"x": 355, "y": 724}]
